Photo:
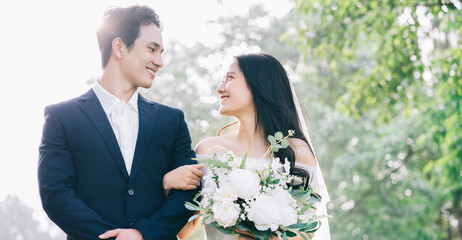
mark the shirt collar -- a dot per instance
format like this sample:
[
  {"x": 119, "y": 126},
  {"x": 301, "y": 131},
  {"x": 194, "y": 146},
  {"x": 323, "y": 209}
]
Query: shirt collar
[{"x": 109, "y": 101}]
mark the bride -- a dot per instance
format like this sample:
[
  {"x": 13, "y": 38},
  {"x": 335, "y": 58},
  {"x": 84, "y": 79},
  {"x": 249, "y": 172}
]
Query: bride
[{"x": 256, "y": 91}]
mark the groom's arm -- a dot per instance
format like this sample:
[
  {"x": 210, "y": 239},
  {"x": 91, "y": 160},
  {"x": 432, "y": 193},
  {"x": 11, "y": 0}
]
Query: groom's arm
[
  {"x": 55, "y": 177},
  {"x": 168, "y": 220}
]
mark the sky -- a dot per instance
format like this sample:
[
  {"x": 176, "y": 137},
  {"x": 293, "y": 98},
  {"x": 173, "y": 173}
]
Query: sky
[{"x": 49, "y": 51}]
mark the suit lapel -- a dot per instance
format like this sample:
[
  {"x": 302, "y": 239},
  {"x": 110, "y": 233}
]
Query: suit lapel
[
  {"x": 95, "y": 112},
  {"x": 147, "y": 116}
]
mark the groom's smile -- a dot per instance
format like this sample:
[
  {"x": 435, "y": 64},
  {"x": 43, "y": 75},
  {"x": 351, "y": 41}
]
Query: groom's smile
[{"x": 151, "y": 72}]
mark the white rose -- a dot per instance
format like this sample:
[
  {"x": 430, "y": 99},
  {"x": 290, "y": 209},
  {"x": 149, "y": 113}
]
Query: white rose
[
  {"x": 270, "y": 211},
  {"x": 261, "y": 213},
  {"x": 244, "y": 182},
  {"x": 226, "y": 213},
  {"x": 287, "y": 207}
]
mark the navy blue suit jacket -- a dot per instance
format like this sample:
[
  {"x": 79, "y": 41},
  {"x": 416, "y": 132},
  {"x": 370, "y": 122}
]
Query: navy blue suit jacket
[{"x": 84, "y": 185}]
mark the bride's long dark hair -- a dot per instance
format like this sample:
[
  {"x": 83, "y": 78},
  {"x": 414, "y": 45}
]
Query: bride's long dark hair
[{"x": 274, "y": 104}]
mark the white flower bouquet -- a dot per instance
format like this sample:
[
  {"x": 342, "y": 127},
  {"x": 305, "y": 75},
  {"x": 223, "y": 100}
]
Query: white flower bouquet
[{"x": 255, "y": 197}]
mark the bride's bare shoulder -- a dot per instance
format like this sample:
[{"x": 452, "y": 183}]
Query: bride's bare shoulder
[
  {"x": 303, "y": 152},
  {"x": 210, "y": 144}
]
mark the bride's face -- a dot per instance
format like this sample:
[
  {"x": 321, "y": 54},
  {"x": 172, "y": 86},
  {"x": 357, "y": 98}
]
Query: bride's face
[{"x": 235, "y": 95}]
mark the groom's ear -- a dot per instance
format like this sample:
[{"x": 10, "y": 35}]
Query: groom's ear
[{"x": 118, "y": 47}]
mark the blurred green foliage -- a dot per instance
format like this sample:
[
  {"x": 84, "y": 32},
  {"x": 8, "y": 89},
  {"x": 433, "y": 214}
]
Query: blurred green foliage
[
  {"x": 19, "y": 221},
  {"x": 398, "y": 65}
]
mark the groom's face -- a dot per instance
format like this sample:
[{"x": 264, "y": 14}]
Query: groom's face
[{"x": 143, "y": 60}]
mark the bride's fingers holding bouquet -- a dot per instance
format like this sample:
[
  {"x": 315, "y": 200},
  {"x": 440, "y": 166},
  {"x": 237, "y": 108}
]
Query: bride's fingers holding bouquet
[
  {"x": 247, "y": 233},
  {"x": 185, "y": 177}
]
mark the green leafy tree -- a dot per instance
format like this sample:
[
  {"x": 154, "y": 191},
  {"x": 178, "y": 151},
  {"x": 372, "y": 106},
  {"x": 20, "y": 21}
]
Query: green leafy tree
[{"x": 409, "y": 84}]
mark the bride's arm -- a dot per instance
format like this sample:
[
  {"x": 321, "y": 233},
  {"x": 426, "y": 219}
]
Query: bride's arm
[
  {"x": 189, "y": 228},
  {"x": 186, "y": 177}
]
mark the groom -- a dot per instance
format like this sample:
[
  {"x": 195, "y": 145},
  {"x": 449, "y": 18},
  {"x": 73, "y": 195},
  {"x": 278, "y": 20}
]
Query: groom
[{"x": 103, "y": 155}]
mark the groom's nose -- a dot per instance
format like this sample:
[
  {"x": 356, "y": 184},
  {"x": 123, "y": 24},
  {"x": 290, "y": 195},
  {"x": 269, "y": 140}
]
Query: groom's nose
[{"x": 158, "y": 61}]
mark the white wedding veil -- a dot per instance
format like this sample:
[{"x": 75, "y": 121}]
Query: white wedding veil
[{"x": 323, "y": 233}]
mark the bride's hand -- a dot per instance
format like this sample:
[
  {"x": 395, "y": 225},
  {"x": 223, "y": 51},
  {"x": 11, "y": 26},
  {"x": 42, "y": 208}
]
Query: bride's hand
[
  {"x": 185, "y": 177},
  {"x": 246, "y": 233},
  {"x": 251, "y": 235}
]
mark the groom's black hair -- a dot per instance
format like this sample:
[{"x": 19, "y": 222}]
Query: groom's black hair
[
  {"x": 274, "y": 103},
  {"x": 123, "y": 23}
]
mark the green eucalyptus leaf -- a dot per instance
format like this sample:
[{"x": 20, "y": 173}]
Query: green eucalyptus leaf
[
  {"x": 290, "y": 233},
  {"x": 274, "y": 181},
  {"x": 261, "y": 234},
  {"x": 242, "y": 226},
  {"x": 302, "y": 235},
  {"x": 278, "y": 136},
  {"x": 297, "y": 225},
  {"x": 191, "y": 206},
  {"x": 213, "y": 162},
  {"x": 311, "y": 226},
  {"x": 272, "y": 140},
  {"x": 194, "y": 217},
  {"x": 204, "y": 219}
]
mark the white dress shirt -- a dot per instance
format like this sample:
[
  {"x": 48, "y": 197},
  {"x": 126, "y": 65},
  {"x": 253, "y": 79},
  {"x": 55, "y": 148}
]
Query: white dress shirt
[{"x": 124, "y": 120}]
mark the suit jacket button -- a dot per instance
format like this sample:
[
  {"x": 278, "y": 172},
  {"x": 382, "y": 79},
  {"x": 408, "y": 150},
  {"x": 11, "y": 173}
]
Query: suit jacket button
[
  {"x": 132, "y": 224},
  {"x": 131, "y": 192}
]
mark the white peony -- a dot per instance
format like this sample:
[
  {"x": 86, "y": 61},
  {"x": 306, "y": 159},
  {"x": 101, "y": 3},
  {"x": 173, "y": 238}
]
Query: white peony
[
  {"x": 225, "y": 194},
  {"x": 270, "y": 211},
  {"x": 244, "y": 182},
  {"x": 226, "y": 213}
]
